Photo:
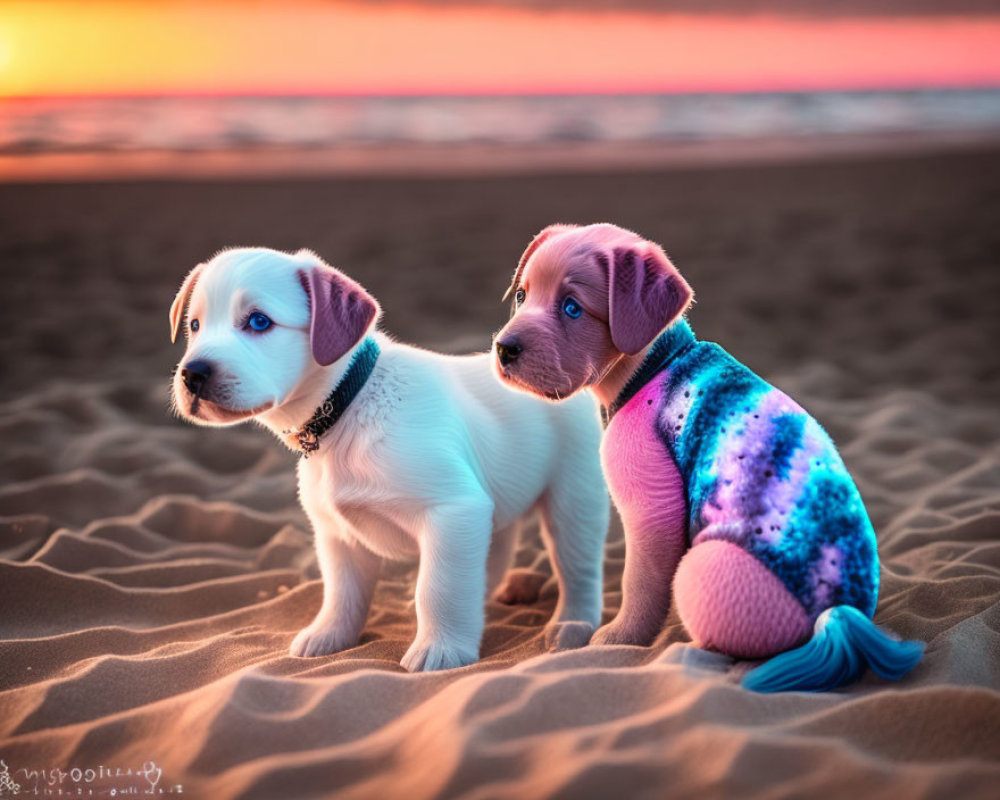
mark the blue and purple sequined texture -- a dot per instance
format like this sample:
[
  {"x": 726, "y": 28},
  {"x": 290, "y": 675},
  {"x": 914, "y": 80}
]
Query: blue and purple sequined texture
[{"x": 761, "y": 473}]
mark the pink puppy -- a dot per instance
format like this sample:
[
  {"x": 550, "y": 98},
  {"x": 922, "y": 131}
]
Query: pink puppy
[{"x": 731, "y": 494}]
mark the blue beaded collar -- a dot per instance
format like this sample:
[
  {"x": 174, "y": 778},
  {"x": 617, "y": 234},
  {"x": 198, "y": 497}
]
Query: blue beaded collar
[
  {"x": 333, "y": 408},
  {"x": 667, "y": 346}
]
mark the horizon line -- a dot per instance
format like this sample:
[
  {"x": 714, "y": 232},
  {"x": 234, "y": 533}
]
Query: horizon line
[{"x": 361, "y": 94}]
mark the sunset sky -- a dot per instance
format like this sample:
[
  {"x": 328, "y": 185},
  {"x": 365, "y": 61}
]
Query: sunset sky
[{"x": 65, "y": 48}]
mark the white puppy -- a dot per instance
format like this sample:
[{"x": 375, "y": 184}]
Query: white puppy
[{"x": 408, "y": 451}]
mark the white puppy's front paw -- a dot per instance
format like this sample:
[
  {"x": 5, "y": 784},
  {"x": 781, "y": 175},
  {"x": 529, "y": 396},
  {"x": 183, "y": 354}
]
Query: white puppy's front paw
[
  {"x": 568, "y": 635},
  {"x": 426, "y": 656},
  {"x": 321, "y": 639}
]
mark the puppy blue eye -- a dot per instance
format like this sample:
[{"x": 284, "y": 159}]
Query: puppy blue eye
[
  {"x": 194, "y": 325},
  {"x": 519, "y": 297},
  {"x": 571, "y": 308},
  {"x": 258, "y": 322}
]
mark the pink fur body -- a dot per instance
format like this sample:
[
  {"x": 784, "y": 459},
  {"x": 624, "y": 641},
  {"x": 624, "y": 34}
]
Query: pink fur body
[
  {"x": 648, "y": 490},
  {"x": 732, "y": 603},
  {"x": 727, "y": 600}
]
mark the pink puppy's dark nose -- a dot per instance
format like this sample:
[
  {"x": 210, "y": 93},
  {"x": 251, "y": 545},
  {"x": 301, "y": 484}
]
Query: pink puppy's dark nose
[
  {"x": 508, "y": 352},
  {"x": 195, "y": 375}
]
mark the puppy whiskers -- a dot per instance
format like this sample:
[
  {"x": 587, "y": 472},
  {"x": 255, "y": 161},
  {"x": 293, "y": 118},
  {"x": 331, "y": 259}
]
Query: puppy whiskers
[{"x": 599, "y": 377}]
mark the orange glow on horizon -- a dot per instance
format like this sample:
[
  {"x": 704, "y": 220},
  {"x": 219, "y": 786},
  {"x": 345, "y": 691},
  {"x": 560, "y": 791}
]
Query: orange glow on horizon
[{"x": 106, "y": 48}]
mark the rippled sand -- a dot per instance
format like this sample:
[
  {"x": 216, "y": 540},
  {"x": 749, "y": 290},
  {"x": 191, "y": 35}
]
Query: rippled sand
[{"x": 152, "y": 574}]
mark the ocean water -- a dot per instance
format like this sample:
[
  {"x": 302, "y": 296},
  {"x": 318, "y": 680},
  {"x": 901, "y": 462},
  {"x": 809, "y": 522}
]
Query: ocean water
[{"x": 91, "y": 125}]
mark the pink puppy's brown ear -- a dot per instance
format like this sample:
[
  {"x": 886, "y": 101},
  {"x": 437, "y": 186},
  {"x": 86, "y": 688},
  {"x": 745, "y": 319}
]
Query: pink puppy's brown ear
[
  {"x": 342, "y": 312},
  {"x": 537, "y": 242},
  {"x": 181, "y": 301},
  {"x": 647, "y": 294}
]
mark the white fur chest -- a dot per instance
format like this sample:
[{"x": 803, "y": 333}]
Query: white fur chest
[{"x": 347, "y": 486}]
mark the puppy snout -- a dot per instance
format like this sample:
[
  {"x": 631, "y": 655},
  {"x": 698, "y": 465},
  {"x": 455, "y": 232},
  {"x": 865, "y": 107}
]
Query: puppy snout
[
  {"x": 195, "y": 375},
  {"x": 508, "y": 351}
]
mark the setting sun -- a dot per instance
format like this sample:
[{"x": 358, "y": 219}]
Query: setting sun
[{"x": 61, "y": 48}]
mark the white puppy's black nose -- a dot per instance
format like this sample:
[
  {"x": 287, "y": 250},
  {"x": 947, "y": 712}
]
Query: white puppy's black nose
[
  {"x": 195, "y": 375},
  {"x": 508, "y": 352}
]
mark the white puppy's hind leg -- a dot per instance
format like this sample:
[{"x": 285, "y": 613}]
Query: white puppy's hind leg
[
  {"x": 576, "y": 513},
  {"x": 521, "y": 587},
  {"x": 349, "y": 575},
  {"x": 516, "y": 586},
  {"x": 498, "y": 575},
  {"x": 502, "y": 545},
  {"x": 451, "y": 585}
]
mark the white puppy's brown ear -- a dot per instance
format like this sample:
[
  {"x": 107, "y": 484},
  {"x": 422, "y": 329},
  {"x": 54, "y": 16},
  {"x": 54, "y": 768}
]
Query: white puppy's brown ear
[
  {"x": 537, "y": 242},
  {"x": 342, "y": 312},
  {"x": 646, "y": 293},
  {"x": 181, "y": 301}
]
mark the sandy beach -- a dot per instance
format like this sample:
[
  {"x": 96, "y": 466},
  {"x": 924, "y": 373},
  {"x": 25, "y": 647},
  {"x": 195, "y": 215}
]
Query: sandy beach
[{"x": 152, "y": 574}]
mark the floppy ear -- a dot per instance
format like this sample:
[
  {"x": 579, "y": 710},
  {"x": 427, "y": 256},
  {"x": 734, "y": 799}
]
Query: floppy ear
[
  {"x": 646, "y": 293},
  {"x": 342, "y": 311},
  {"x": 181, "y": 301},
  {"x": 540, "y": 237}
]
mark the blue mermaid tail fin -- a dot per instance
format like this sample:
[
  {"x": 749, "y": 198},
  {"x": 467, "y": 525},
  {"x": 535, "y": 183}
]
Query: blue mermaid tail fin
[{"x": 845, "y": 643}]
